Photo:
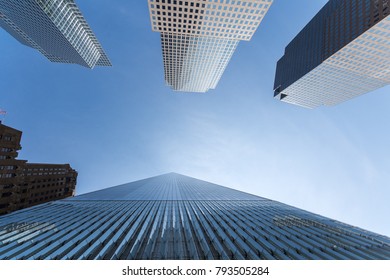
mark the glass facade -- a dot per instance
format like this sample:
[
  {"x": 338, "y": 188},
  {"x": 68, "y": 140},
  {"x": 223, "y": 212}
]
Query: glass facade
[
  {"x": 198, "y": 38},
  {"x": 56, "y": 28},
  {"x": 195, "y": 64},
  {"x": 178, "y": 217},
  {"x": 343, "y": 52}
]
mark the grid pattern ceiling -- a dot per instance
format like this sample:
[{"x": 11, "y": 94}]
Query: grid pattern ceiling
[{"x": 228, "y": 19}]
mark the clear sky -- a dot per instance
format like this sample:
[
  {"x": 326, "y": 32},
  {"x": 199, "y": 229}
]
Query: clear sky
[{"x": 120, "y": 124}]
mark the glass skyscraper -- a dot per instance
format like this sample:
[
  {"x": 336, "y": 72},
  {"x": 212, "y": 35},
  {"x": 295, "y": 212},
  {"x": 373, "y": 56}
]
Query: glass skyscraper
[
  {"x": 56, "y": 28},
  {"x": 178, "y": 217},
  {"x": 198, "y": 37},
  {"x": 343, "y": 52}
]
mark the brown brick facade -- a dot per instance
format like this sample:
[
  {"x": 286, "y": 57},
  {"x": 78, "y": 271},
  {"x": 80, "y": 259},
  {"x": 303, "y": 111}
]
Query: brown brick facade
[{"x": 25, "y": 184}]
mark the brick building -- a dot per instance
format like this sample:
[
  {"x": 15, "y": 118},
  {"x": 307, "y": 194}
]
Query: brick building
[{"x": 25, "y": 184}]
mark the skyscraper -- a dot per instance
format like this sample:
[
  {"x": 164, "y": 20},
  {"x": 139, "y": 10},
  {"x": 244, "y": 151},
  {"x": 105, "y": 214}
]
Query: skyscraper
[
  {"x": 178, "y": 217},
  {"x": 56, "y": 28},
  {"x": 198, "y": 38},
  {"x": 25, "y": 184},
  {"x": 341, "y": 53}
]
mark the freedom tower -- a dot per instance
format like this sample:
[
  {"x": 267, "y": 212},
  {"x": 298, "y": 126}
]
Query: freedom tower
[{"x": 178, "y": 217}]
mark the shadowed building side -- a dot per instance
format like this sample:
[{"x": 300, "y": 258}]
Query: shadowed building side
[{"x": 341, "y": 53}]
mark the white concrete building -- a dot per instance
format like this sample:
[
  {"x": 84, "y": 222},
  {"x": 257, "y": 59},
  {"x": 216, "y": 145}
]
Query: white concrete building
[{"x": 199, "y": 37}]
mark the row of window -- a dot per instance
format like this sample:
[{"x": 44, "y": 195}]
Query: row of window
[
  {"x": 7, "y": 175},
  {"x": 6, "y": 137},
  {"x": 7, "y": 167}
]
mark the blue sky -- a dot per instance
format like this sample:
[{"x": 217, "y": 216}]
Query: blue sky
[{"x": 120, "y": 124}]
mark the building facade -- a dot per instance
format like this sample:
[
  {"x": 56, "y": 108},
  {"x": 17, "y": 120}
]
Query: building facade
[
  {"x": 341, "y": 53},
  {"x": 178, "y": 217},
  {"x": 25, "y": 184},
  {"x": 198, "y": 38},
  {"x": 56, "y": 28}
]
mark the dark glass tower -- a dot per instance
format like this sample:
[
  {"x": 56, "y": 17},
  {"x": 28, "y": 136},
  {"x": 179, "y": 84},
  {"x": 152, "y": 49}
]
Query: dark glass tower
[
  {"x": 177, "y": 217},
  {"x": 341, "y": 53}
]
